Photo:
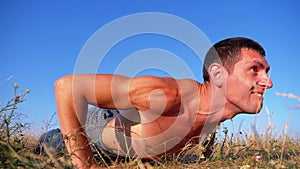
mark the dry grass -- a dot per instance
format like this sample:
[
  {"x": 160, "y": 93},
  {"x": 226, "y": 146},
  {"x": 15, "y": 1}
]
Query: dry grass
[{"x": 258, "y": 150}]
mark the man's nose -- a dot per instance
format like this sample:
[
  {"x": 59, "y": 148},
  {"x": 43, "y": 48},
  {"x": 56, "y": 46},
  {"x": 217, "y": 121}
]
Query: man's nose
[{"x": 266, "y": 82}]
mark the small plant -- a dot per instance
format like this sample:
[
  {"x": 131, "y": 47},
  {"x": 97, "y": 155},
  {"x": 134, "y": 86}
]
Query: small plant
[
  {"x": 15, "y": 150},
  {"x": 11, "y": 131}
]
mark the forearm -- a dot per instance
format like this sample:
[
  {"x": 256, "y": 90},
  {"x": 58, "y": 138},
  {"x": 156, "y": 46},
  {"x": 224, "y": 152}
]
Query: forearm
[
  {"x": 72, "y": 109},
  {"x": 79, "y": 148},
  {"x": 76, "y": 140}
]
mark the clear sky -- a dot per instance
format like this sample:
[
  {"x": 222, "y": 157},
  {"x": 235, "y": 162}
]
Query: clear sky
[{"x": 41, "y": 41}]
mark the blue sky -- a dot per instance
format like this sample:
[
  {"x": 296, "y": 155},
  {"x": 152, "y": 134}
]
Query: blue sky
[{"x": 41, "y": 41}]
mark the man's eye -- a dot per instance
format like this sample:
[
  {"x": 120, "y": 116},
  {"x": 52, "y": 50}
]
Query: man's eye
[{"x": 254, "y": 69}]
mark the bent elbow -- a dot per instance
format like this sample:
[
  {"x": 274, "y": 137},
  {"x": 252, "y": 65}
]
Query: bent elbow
[{"x": 63, "y": 85}]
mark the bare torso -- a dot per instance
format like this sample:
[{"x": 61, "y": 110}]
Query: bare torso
[{"x": 149, "y": 135}]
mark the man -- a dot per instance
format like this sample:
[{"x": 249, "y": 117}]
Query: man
[{"x": 159, "y": 115}]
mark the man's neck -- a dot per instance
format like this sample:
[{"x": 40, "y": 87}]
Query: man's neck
[{"x": 213, "y": 103}]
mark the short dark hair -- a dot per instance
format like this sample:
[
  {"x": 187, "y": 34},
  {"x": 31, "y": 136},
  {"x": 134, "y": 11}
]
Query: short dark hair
[{"x": 227, "y": 52}]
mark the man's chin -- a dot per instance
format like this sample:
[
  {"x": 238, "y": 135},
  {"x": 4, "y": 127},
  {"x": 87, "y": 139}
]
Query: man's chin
[
  {"x": 256, "y": 108},
  {"x": 259, "y": 107},
  {"x": 248, "y": 112},
  {"x": 253, "y": 111}
]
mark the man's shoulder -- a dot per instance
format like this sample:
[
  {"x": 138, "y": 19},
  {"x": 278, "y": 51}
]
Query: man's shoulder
[
  {"x": 188, "y": 83},
  {"x": 188, "y": 86}
]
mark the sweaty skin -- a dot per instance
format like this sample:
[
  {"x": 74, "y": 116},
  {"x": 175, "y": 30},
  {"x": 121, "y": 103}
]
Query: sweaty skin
[{"x": 167, "y": 112}]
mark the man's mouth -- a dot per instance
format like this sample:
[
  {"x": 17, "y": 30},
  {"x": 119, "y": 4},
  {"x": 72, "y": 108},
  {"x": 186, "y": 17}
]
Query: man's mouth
[{"x": 258, "y": 93}]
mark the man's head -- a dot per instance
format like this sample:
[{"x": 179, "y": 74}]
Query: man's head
[
  {"x": 227, "y": 53},
  {"x": 238, "y": 66}
]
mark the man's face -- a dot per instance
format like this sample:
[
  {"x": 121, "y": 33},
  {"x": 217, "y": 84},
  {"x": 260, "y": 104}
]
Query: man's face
[{"x": 248, "y": 81}]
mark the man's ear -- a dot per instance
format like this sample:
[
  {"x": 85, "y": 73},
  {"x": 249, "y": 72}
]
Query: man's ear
[{"x": 217, "y": 74}]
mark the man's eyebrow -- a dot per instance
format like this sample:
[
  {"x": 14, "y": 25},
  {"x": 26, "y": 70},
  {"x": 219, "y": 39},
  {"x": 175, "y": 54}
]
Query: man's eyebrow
[{"x": 264, "y": 66}]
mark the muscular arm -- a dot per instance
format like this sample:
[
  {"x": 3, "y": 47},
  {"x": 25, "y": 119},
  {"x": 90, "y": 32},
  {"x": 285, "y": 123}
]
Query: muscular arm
[{"x": 74, "y": 93}]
